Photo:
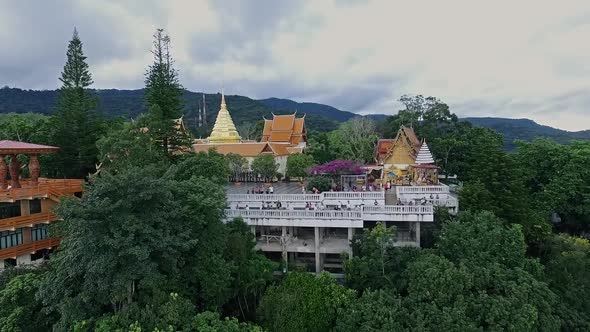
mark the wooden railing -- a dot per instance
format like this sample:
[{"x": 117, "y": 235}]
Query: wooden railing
[
  {"x": 28, "y": 248},
  {"x": 44, "y": 188},
  {"x": 24, "y": 221}
]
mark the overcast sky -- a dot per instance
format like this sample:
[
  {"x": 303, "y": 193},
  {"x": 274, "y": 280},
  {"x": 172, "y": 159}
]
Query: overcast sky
[{"x": 484, "y": 58}]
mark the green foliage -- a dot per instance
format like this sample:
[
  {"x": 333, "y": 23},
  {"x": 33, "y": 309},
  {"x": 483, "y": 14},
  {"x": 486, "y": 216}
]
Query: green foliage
[
  {"x": 163, "y": 94},
  {"x": 320, "y": 182},
  {"x": 19, "y": 309},
  {"x": 374, "y": 311},
  {"x": 567, "y": 266},
  {"x": 135, "y": 234},
  {"x": 237, "y": 164},
  {"x": 354, "y": 140},
  {"x": 265, "y": 166},
  {"x": 28, "y": 127},
  {"x": 205, "y": 165},
  {"x": 376, "y": 263},
  {"x": 251, "y": 271},
  {"x": 298, "y": 165},
  {"x": 303, "y": 302},
  {"x": 76, "y": 125},
  {"x": 126, "y": 146},
  {"x": 319, "y": 147}
]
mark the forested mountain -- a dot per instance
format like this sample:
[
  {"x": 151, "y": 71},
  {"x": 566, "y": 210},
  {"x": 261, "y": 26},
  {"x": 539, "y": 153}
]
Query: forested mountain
[
  {"x": 527, "y": 130},
  {"x": 308, "y": 108},
  {"x": 320, "y": 117},
  {"x": 130, "y": 104}
]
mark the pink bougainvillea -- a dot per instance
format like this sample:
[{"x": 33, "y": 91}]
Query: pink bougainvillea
[{"x": 337, "y": 167}]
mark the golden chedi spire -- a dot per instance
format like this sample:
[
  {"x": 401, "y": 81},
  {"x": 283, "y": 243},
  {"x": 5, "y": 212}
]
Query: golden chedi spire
[{"x": 224, "y": 130}]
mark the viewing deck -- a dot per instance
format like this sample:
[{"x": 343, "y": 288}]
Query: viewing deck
[
  {"x": 45, "y": 188},
  {"x": 333, "y": 218},
  {"x": 28, "y": 248},
  {"x": 26, "y": 221}
]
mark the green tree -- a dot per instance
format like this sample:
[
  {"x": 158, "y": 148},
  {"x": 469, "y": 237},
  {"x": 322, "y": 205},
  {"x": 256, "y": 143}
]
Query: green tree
[
  {"x": 318, "y": 146},
  {"x": 298, "y": 165},
  {"x": 163, "y": 95},
  {"x": 320, "y": 182},
  {"x": 374, "y": 311},
  {"x": 126, "y": 146},
  {"x": 76, "y": 125},
  {"x": 237, "y": 164},
  {"x": 265, "y": 166},
  {"x": 376, "y": 263},
  {"x": 303, "y": 302},
  {"x": 354, "y": 140},
  {"x": 567, "y": 267},
  {"x": 136, "y": 234},
  {"x": 19, "y": 309},
  {"x": 205, "y": 165},
  {"x": 251, "y": 271}
]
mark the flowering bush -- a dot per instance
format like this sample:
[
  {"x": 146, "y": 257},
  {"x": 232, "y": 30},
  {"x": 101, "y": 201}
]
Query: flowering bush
[{"x": 337, "y": 167}]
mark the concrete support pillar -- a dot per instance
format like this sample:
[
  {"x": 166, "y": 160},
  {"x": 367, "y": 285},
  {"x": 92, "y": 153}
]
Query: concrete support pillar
[
  {"x": 25, "y": 207},
  {"x": 318, "y": 263},
  {"x": 284, "y": 248},
  {"x": 418, "y": 233},
  {"x": 23, "y": 260},
  {"x": 253, "y": 230},
  {"x": 350, "y": 237}
]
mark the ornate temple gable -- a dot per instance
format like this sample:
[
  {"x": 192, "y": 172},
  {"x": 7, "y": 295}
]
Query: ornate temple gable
[
  {"x": 285, "y": 129},
  {"x": 224, "y": 130},
  {"x": 403, "y": 149}
]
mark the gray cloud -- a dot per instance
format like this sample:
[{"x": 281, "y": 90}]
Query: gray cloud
[{"x": 497, "y": 59}]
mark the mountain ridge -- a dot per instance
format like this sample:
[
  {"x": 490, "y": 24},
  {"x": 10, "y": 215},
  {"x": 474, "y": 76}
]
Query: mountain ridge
[{"x": 320, "y": 117}]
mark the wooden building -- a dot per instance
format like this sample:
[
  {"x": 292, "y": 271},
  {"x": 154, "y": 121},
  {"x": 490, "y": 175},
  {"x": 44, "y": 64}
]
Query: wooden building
[{"x": 26, "y": 204}]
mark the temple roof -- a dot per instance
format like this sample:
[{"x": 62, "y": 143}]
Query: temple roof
[
  {"x": 224, "y": 130},
  {"x": 246, "y": 149},
  {"x": 424, "y": 155},
  {"x": 284, "y": 129},
  {"x": 15, "y": 147},
  {"x": 405, "y": 135}
]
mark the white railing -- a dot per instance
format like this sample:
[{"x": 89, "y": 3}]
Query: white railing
[
  {"x": 441, "y": 189},
  {"x": 332, "y": 195},
  {"x": 353, "y": 195},
  {"x": 291, "y": 214},
  {"x": 274, "y": 197},
  {"x": 399, "y": 209}
]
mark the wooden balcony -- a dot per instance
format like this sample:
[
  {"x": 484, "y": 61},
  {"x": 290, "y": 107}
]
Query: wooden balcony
[
  {"x": 28, "y": 248},
  {"x": 49, "y": 188},
  {"x": 26, "y": 221}
]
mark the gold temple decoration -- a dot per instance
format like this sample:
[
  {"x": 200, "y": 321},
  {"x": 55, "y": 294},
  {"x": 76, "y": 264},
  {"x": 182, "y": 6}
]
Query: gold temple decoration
[{"x": 224, "y": 130}]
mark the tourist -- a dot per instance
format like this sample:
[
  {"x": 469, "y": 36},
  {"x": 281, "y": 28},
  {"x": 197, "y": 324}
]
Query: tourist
[
  {"x": 303, "y": 190},
  {"x": 248, "y": 192},
  {"x": 376, "y": 203},
  {"x": 271, "y": 189}
]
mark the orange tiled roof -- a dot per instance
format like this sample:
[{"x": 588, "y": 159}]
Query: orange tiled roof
[
  {"x": 411, "y": 134},
  {"x": 244, "y": 149},
  {"x": 279, "y": 149},
  {"x": 284, "y": 128}
]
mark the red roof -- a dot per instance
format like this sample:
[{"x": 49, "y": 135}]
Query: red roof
[{"x": 13, "y": 147}]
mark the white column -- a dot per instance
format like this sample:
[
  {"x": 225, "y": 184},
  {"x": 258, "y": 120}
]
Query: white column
[
  {"x": 318, "y": 266},
  {"x": 23, "y": 259},
  {"x": 284, "y": 243},
  {"x": 253, "y": 230},
  {"x": 350, "y": 237},
  {"x": 418, "y": 233}
]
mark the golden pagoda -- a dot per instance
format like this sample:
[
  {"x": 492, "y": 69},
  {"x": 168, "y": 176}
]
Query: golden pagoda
[{"x": 224, "y": 130}]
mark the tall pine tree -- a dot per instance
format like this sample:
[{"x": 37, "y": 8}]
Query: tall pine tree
[
  {"x": 75, "y": 126},
  {"x": 163, "y": 93}
]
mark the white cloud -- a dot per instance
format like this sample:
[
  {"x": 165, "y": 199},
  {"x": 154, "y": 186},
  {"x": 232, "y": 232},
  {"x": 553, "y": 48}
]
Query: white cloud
[{"x": 494, "y": 58}]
